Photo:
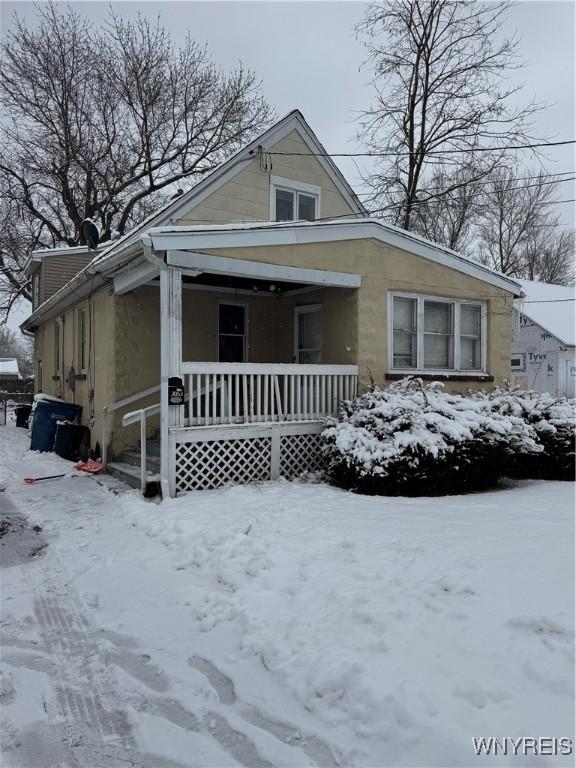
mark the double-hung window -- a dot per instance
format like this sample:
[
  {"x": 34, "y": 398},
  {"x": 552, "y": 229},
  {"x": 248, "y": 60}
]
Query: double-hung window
[
  {"x": 436, "y": 334},
  {"x": 293, "y": 200}
]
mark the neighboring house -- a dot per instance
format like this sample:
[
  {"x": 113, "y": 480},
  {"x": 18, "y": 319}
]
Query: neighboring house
[
  {"x": 270, "y": 295},
  {"x": 543, "y": 352},
  {"x": 9, "y": 371}
]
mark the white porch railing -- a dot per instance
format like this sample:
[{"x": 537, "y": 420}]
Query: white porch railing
[
  {"x": 240, "y": 393},
  {"x": 244, "y": 393}
]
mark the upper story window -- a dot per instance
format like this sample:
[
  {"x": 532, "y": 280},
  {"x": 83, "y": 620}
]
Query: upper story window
[
  {"x": 434, "y": 334},
  {"x": 293, "y": 200}
]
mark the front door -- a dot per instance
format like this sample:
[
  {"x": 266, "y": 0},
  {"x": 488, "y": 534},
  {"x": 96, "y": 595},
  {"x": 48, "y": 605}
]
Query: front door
[
  {"x": 308, "y": 334},
  {"x": 232, "y": 332}
]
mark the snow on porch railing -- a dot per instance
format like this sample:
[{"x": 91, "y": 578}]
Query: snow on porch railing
[{"x": 239, "y": 393}]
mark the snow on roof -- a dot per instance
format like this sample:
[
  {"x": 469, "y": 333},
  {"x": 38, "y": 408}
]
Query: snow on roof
[
  {"x": 552, "y": 307},
  {"x": 9, "y": 366}
]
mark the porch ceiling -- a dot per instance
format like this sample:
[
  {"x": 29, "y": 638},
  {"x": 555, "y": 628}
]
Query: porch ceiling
[
  {"x": 197, "y": 262},
  {"x": 265, "y": 287},
  {"x": 244, "y": 284}
]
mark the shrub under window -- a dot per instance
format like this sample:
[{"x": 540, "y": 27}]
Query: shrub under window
[{"x": 414, "y": 440}]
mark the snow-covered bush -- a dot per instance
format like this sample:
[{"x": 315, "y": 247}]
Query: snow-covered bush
[
  {"x": 553, "y": 419},
  {"x": 411, "y": 439}
]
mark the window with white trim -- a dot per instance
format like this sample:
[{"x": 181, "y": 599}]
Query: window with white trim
[
  {"x": 518, "y": 362},
  {"x": 293, "y": 200},
  {"x": 436, "y": 334}
]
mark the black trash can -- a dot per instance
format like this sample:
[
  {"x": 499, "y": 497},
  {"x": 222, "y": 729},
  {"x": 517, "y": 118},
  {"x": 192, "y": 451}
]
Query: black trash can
[
  {"x": 72, "y": 441},
  {"x": 22, "y": 413}
]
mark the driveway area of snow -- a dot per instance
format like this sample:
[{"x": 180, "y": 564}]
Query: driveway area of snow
[{"x": 283, "y": 624}]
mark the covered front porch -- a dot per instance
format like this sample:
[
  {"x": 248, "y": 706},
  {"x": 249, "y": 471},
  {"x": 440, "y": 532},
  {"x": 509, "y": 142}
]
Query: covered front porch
[{"x": 276, "y": 367}]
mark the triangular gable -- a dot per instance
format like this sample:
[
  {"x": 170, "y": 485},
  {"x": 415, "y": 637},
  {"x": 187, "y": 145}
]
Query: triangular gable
[
  {"x": 294, "y": 122},
  {"x": 178, "y": 208}
]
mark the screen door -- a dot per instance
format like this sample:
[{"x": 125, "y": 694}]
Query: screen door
[{"x": 308, "y": 334}]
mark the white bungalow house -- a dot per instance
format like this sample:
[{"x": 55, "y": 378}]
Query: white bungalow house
[{"x": 543, "y": 356}]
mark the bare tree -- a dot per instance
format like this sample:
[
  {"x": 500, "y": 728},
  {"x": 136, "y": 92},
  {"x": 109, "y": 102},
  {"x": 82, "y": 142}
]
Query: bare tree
[
  {"x": 449, "y": 219},
  {"x": 520, "y": 234},
  {"x": 101, "y": 123},
  {"x": 440, "y": 69},
  {"x": 553, "y": 260}
]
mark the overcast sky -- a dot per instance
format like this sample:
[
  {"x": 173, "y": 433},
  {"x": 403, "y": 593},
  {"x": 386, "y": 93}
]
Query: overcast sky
[{"x": 308, "y": 57}]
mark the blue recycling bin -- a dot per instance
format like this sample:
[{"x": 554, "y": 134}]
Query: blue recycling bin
[{"x": 46, "y": 416}]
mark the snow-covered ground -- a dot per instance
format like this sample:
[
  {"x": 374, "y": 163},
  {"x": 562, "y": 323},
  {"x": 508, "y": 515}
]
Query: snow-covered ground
[{"x": 283, "y": 624}]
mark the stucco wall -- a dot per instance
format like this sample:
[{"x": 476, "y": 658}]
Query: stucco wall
[
  {"x": 384, "y": 268},
  {"x": 247, "y": 196},
  {"x": 126, "y": 329},
  {"x": 94, "y": 389}
]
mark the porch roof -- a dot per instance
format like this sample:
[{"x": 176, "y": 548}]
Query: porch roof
[
  {"x": 235, "y": 235},
  {"x": 139, "y": 260}
]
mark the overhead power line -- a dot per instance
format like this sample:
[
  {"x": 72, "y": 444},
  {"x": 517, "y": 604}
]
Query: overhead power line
[
  {"x": 433, "y": 152},
  {"x": 547, "y": 301},
  {"x": 487, "y": 182}
]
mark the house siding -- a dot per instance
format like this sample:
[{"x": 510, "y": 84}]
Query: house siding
[
  {"x": 247, "y": 196},
  {"x": 56, "y": 271},
  {"x": 549, "y": 364}
]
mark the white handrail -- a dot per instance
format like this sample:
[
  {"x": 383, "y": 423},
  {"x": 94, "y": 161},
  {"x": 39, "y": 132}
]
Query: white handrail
[
  {"x": 141, "y": 415},
  {"x": 134, "y": 416},
  {"x": 132, "y": 398},
  {"x": 114, "y": 407}
]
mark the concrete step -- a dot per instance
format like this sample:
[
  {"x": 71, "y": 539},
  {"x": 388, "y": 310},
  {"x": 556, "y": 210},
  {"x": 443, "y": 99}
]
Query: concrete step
[
  {"x": 153, "y": 447},
  {"x": 130, "y": 475},
  {"x": 132, "y": 457}
]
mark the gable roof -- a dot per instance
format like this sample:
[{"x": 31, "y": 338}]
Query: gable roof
[
  {"x": 175, "y": 209},
  {"x": 552, "y": 307}
]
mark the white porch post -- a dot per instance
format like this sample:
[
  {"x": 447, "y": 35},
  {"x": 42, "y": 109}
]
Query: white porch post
[{"x": 170, "y": 365}]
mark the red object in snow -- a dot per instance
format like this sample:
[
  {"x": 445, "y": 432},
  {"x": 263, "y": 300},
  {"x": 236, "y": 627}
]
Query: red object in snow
[
  {"x": 91, "y": 466},
  {"x": 32, "y": 480}
]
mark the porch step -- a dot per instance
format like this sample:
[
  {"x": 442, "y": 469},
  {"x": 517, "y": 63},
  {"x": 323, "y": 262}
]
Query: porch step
[
  {"x": 152, "y": 447},
  {"x": 132, "y": 457},
  {"x": 130, "y": 475}
]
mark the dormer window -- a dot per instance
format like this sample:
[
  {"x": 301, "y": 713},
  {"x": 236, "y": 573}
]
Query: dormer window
[{"x": 293, "y": 200}]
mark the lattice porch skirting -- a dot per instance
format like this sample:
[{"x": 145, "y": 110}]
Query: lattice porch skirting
[{"x": 211, "y": 457}]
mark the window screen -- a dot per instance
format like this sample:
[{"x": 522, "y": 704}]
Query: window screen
[
  {"x": 438, "y": 335},
  {"x": 284, "y": 205},
  {"x": 470, "y": 330},
  {"x": 405, "y": 335},
  {"x": 306, "y": 207}
]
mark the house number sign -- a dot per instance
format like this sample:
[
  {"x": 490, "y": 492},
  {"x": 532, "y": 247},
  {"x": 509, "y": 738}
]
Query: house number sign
[{"x": 175, "y": 391}]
